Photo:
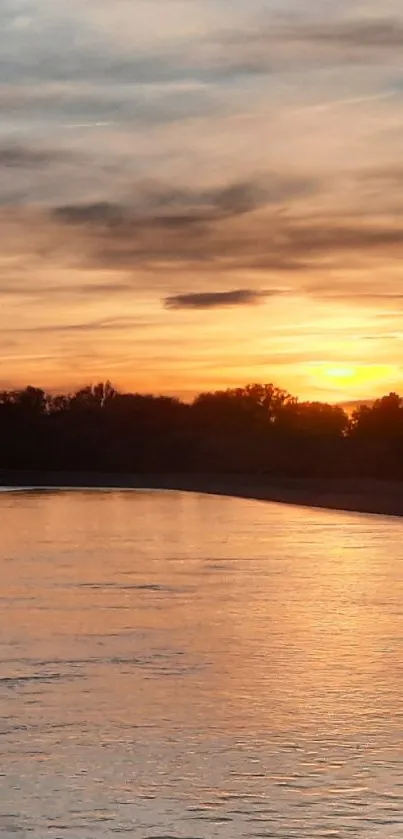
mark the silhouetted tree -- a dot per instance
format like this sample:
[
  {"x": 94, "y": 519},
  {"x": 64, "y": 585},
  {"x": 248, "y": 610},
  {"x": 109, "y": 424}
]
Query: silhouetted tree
[
  {"x": 314, "y": 419},
  {"x": 259, "y": 428},
  {"x": 383, "y": 419}
]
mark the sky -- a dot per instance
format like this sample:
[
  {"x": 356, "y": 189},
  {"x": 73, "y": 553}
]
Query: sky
[{"x": 197, "y": 194}]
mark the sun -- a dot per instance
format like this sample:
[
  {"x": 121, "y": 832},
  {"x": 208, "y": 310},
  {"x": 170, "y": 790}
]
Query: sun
[
  {"x": 343, "y": 373},
  {"x": 353, "y": 379}
]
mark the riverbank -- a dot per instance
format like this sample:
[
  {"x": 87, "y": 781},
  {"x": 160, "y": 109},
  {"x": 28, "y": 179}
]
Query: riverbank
[{"x": 362, "y": 496}]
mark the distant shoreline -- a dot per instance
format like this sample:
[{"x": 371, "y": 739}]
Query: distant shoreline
[{"x": 351, "y": 495}]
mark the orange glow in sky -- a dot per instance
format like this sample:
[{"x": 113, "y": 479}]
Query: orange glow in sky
[
  {"x": 357, "y": 379},
  {"x": 195, "y": 198}
]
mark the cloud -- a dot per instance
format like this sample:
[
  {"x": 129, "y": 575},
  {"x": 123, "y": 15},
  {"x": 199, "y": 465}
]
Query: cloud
[
  {"x": 223, "y": 238},
  {"x": 153, "y": 205},
  {"x": 234, "y": 224},
  {"x": 365, "y": 291},
  {"x": 63, "y": 48},
  {"x": 32, "y": 171},
  {"x": 13, "y": 156},
  {"x": 360, "y": 34},
  {"x": 98, "y": 104},
  {"x": 321, "y": 237},
  {"x": 268, "y": 48},
  {"x": 117, "y": 324},
  {"x": 385, "y": 177},
  {"x": 217, "y": 299},
  {"x": 227, "y": 231},
  {"x": 97, "y": 214},
  {"x": 32, "y": 290}
]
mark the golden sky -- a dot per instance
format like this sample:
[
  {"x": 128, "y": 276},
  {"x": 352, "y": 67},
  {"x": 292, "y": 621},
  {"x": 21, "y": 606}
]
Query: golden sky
[{"x": 197, "y": 194}]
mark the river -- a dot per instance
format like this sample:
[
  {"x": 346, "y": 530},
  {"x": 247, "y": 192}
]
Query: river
[{"x": 182, "y": 666}]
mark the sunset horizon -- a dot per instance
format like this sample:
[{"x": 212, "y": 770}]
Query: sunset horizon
[
  {"x": 345, "y": 399},
  {"x": 193, "y": 197}
]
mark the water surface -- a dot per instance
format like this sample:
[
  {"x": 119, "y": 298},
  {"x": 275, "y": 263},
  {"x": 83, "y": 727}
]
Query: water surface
[{"x": 179, "y": 666}]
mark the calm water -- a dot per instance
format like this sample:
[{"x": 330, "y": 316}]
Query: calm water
[{"x": 178, "y": 665}]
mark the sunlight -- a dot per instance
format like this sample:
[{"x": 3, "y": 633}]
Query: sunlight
[
  {"x": 340, "y": 372},
  {"x": 354, "y": 379}
]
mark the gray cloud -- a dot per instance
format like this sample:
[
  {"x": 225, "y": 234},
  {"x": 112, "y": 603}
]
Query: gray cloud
[
  {"x": 13, "y": 156},
  {"x": 34, "y": 172},
  {"x": 267, "y": 48},
  {"x": 229, "y": 224},
  {"x": 360, "y": 34},
  {"x": 217, "y": 299},
  {"x": 262, "y": 48},
  {"x": 178, "y": 206},
  {"x": 130, "y": 103},
  {"x": 223, "y": 241},
  {"x": 95, "y": 61},
  {"x": 97, "y": 214},
  {"x": 130, "y": 228},
  {"x": 243, "y": 226},
  {"x": 321, "y": 237}
]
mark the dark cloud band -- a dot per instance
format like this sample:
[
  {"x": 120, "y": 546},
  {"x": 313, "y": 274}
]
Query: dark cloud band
[{"x": 217, "y": 299}]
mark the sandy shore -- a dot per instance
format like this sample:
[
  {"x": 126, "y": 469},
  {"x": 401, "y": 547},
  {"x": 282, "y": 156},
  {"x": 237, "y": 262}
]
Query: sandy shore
[{"x": 364, "y": 496}]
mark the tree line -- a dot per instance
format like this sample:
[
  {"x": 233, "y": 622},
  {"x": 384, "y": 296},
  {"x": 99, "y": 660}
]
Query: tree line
[{"x": 258, "y": 429}]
